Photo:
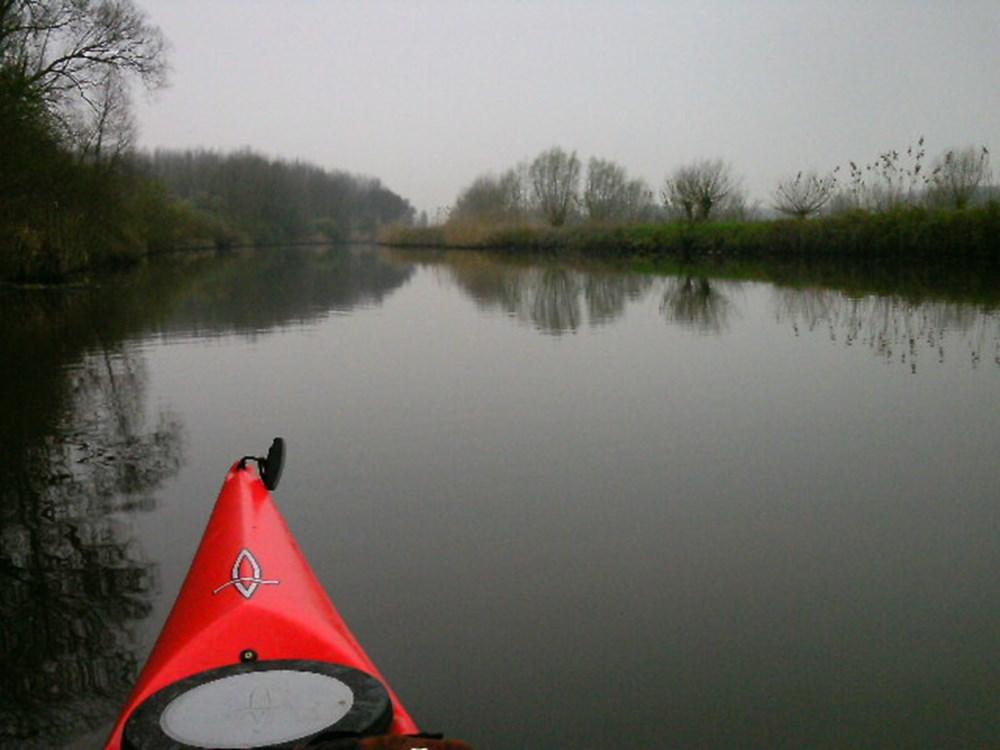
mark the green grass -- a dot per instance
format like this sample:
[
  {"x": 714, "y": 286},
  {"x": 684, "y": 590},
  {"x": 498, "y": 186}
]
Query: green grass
[{"x": 916, "y": 233}]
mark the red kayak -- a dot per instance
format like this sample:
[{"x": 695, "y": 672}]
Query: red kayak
[{"x": 254, "y": 654}]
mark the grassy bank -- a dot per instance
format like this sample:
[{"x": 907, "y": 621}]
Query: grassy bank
[{"x": 915, "y": 233}]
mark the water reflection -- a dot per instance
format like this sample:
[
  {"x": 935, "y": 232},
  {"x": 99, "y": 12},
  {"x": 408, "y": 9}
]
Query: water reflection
[
  {"x": 911, "y": 324},
  {"x": 607, "y": 296},
  {"x": 258, "y": 290},
  {"x": 81, "y": 454},
  {"x": 555, "y": 299},
  {"x": 696, "y": 302},
  {"x": 78, "y": 453},
  {"x": 74, "y": 580},
  {"x": 893, "y": 328}
]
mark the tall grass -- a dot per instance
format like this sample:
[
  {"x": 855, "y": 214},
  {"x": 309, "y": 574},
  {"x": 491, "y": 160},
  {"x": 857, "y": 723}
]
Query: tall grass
[{"x": 913, "y": 232}]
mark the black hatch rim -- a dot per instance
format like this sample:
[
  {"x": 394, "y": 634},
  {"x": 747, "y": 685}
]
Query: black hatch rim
[{"x": 371, "y": 712}]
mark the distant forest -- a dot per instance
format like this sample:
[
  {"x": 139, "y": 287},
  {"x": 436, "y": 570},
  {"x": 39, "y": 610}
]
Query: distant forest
[
  {"x": 75, "y": 194},
  {"x": 246, "y": 198}
]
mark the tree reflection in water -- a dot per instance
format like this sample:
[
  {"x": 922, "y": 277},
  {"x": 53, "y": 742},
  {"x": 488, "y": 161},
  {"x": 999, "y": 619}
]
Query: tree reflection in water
[
  {"x": 73, "y": 581},
  {"x": 899, "y": 326},
  {"x": 554, "y": 295},
  {"x": 556, "y": 299},
  {"x": 608, "y": 294},
  {"x": 695, "y": 302},
  {"x": 894, "y": 328},
  {"x": 260, "y": 290}
]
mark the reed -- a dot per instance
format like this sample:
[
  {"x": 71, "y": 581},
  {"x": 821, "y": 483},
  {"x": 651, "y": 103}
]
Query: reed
[{"x": 908, "y": 232}]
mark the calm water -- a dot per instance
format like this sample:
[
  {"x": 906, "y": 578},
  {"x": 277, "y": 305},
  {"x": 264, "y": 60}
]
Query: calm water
[{"x": 562, "y": 507}]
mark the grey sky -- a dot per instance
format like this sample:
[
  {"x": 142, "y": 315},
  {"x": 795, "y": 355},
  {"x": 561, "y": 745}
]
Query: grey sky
[{"x": 427, "y": 95}]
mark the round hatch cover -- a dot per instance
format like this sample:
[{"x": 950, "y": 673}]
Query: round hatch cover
[{"x": 268, "y": 704}]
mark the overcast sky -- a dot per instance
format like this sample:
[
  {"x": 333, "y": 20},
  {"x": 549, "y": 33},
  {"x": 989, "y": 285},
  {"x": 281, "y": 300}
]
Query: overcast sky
[{"x": 428, "y": 95}]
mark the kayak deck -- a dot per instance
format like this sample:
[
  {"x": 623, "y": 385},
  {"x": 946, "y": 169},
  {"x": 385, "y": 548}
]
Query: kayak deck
[{"x": 252, "y": 612}]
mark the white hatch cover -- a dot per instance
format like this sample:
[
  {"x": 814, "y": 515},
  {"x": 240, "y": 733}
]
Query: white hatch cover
[
  {"x": 256, "y": 709},
  {"x": 258, "y": 704}
]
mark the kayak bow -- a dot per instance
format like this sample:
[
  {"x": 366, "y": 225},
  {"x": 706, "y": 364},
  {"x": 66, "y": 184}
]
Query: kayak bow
[{"x": 253, "y": 653}]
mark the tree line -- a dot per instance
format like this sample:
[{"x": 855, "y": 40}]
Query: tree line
[
  {"x": 244, "y": 197},
  {"x": 73, "y": 191},
  {"x": 554, "y": 188}
]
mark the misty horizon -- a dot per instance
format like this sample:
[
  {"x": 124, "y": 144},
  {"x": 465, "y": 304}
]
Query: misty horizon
[{"x": 426, "y": 97}]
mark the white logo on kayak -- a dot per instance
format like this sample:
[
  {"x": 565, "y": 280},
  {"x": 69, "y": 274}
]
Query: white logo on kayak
[{"x": 245, "y": 564}]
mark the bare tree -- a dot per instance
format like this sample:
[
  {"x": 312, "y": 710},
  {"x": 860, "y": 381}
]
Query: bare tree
[
  {"x": 555, "y": 179},
  {"x": 609, "y": 195},
  {"x": 805, "y": 195},
  {"x": 72, "y": 52},
  {"x": 108, "y": 133},
  {"x": 958, "y": 174},
  {"x": 697, "y": 189},
  {"x": 604, "y": 195},
  {"x": 638, "y": 201}
]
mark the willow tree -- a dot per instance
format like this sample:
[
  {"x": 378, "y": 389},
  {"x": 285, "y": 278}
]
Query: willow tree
[
  {"x": 605, "y": 192},
  {"x": 555, "y": 180},
  {"x": 804, "y": 195},
  {"x": 699, "y": 188}
]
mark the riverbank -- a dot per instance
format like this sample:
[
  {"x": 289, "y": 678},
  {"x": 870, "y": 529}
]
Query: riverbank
[
  {"x": 914, "y": 233},
  {"x": 64, "y": 216}
]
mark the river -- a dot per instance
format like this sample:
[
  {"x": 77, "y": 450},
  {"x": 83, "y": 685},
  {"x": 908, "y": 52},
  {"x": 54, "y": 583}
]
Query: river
[{"x": 563, "y": 505}]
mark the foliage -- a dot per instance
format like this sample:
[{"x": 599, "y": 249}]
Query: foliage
[
  {"x": 263, "y": 200},
  {"x": 65, "y": 194},
  {"x": 917, "y": 234},
  {"x": 57, "y": 213},
  {"x": 494, "y": 199},
  {"x": 72, "y": 195}
]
